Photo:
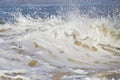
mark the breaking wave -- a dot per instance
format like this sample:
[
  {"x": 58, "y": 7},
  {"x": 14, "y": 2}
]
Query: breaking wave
[{"x": 73, "y": 41}]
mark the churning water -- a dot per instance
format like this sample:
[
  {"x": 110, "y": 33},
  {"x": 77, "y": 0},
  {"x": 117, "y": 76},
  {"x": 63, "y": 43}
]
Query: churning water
[{"x": 70, "y": 41}]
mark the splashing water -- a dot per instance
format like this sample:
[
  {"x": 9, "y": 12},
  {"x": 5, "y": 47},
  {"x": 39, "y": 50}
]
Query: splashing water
[{"x": 70, "y": 47}]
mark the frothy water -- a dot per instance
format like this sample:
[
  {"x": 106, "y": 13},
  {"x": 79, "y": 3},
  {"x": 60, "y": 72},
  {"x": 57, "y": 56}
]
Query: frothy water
[{"x": 65, "y": 46}]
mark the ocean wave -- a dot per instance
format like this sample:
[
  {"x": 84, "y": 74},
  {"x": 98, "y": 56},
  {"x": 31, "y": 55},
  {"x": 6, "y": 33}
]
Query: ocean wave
[{"x": 73, "y": 41}]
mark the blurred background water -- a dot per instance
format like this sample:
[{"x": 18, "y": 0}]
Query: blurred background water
[{"x": 44, "y": 9}]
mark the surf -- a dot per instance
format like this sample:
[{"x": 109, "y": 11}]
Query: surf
[{"x": 68, "y": 40}]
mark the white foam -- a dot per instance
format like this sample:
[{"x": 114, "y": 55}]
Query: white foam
[{"x": 53, "y": 41}]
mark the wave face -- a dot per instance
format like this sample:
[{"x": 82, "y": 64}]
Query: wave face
[{"x": 43, "y": 42}]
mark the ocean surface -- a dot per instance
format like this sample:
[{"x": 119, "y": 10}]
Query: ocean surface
[{"x": 60, "y": 40}]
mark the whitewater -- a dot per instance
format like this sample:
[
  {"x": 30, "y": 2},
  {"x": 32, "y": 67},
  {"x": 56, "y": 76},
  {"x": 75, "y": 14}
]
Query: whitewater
[{"x": 70, "y": 47}]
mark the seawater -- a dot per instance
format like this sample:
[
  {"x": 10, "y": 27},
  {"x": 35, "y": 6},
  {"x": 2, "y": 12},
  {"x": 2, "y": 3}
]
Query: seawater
[{"x": 75, "y": 41}]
